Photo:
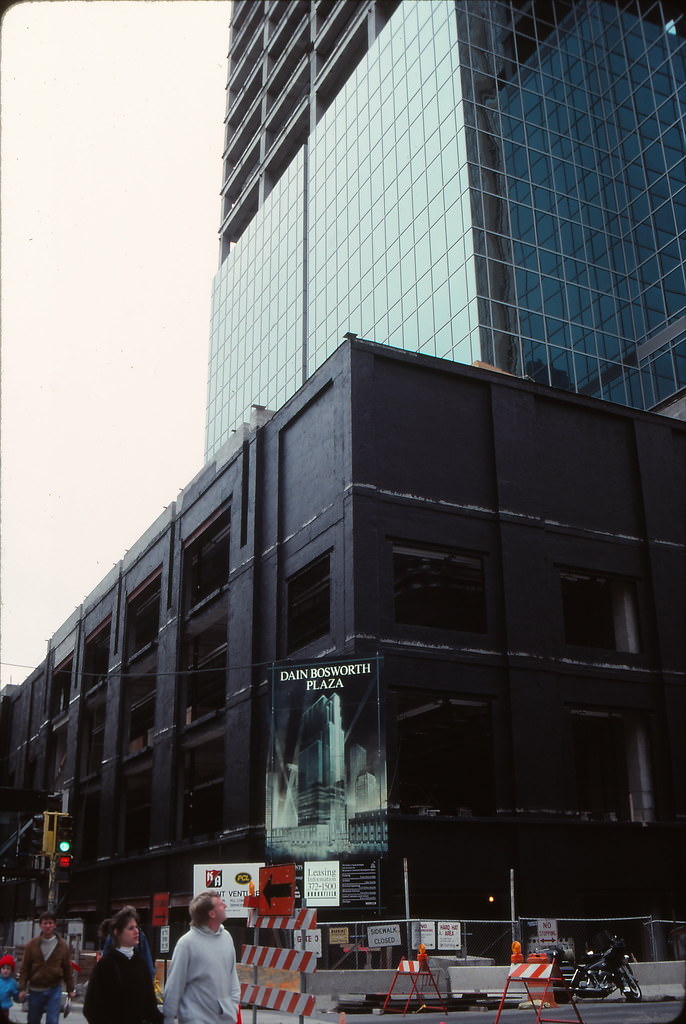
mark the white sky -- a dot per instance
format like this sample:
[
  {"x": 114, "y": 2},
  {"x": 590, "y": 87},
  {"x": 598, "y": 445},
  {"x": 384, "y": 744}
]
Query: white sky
[{"x": 112, "y": 135}]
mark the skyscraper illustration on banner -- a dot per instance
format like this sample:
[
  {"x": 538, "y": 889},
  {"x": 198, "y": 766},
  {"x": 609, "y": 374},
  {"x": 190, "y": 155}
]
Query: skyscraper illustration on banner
[{"x": 326, "y": 788}]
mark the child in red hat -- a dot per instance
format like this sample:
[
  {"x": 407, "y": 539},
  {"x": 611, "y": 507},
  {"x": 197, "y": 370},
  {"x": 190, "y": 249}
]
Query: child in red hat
[{"x": 9, "y": 990}]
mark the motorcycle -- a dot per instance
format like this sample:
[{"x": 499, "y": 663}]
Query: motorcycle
[{"x": 598, "y": 974}]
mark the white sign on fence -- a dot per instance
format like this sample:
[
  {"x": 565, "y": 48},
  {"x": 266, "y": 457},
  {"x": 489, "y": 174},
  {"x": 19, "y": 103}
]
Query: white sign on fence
[
  {"x": 380, "y": 935},
  {"x": 449, "y": 935},
  {"x": 313, "y": 940},
  {"x": 547, "y": 930},
  {"x": 424, "y": 931}
]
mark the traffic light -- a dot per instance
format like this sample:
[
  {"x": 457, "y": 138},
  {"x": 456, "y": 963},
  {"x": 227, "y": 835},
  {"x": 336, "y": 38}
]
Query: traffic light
[
  {"x": 49, "y": 832},
  {"x": 63, "y": 837},
  {"x": 63, "y": 841},
  {"x": 36, "y": 837}
]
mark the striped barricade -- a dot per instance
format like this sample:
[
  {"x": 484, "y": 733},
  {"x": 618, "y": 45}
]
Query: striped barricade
[
  {"x": 423, "y": 985},
  {"x": 537, "y": 978},
  {"x": 305, "y": 918},
  {"x": 298, "y": 1003},
  {"x": 279, "y": 959},
  {"x": 298, "y": 962},
  {"x": 409, "y": 966}
]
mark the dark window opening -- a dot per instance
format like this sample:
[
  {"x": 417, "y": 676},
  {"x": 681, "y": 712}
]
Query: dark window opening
[
  {"x": 613, "y": 761},
  {"x": 600, "y": 612},
  {"x": 61, "y": 681},
  {"x": 93, "y": 738},
  {"x": 96, "y": 657},
  {"x": 309, "y": 601},
  {"x": 90, "y": 828},
  {"x": 444, "y": 756},
  {"x": 143, "y": 618},
  {"x": 203, "y": 789},
  {"x": 137, "y": 813},
  {"x": 204, "y": 655},
  {"x": 439, "y": 588},
  {"x": 57, "y": 756},
  {"x": 141, "y": 720},
  {"x": 600, "y": 766},
  {"x": 206, "y": 561}
]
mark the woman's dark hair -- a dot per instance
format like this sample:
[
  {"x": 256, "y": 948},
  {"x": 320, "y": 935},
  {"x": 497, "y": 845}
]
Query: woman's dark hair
[{"x": 117, "y": 923}]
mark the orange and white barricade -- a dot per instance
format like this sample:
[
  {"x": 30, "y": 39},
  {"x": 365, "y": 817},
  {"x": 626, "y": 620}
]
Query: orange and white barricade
[
  {"x": 538, "y": 977},
  {"x": 422, "y": 983},
  {"x": 293, "y": 963}
]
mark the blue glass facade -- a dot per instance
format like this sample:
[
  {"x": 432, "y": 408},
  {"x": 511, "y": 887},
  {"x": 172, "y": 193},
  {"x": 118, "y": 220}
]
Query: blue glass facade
[
  {"x": 488, "y": 184},
  {"x": 256, "y": 349},
  {"x": 579, "y": 196}
]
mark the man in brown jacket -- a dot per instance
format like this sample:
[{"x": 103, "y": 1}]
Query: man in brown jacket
[{"x": 44, "y": 967}]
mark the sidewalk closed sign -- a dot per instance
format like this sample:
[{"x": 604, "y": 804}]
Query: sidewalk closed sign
[{"x": 380, "y": 935}]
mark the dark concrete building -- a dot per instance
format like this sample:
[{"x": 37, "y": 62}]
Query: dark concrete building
[{"x": 513, "y": 560}]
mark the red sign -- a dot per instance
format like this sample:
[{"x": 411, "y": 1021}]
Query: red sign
[
  {"x": 277, "y": 891},
  {"x": 160, "y": 909}
]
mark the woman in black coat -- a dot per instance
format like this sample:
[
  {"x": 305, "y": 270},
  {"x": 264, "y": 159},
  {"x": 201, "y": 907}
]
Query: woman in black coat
[{"x": 120, "y": 990}]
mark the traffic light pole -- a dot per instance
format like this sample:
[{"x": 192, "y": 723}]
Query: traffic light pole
[{"x": 52, "y": 883}]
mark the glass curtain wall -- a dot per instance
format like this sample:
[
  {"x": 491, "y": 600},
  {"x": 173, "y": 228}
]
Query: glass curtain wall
[{"x": 494, "y": 181}]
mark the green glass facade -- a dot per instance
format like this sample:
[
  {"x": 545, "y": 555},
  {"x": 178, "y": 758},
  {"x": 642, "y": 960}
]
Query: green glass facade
[{"x": 489, "y": 183}]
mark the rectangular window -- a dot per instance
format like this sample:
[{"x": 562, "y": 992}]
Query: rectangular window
[
  {"x": 61, "y": 681},
  {"x": 57, "y": 756},
  {"x": 96, "y": 657},
  {"x": 141, "y": 722},
  {"x": 613, "y": 761},
  {"x": 308, "y": 603},
  {"x": 444, "y": 755},
  {"x": 206, "y": 560},
  {"x": 204, "y": 657},
  {"x": 204, "y": 770},
  {"x": 440, "y": 588},
  {"x": 143, "y": 617},
  {"x": 137, "y": 810},
  {"x": 93, "y": 738},
  {"x": 600, "y": 611}
]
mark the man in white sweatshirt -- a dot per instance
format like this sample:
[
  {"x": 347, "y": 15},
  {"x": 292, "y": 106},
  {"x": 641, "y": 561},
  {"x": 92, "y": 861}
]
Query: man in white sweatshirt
[{"x": 202, "y": 986}]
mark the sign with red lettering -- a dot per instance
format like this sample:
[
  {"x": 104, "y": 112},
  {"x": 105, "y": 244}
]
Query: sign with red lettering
[{"x": 277, "y": 891}]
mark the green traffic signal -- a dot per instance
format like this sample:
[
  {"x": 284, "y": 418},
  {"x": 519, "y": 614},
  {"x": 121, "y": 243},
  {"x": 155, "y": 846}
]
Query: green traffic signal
[{"x": 64, "y": 834}]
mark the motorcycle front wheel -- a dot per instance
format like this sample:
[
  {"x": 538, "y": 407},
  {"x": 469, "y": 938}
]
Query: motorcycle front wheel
[{"x": 631, "y": 990}]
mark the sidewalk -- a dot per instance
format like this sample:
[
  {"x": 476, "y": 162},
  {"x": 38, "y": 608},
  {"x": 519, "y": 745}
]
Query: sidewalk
[{"x": 75, "y": 1016}]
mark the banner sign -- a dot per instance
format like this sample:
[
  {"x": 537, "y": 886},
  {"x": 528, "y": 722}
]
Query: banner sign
[
  {"x": 326, "y": 785},
  {"x": 230, "y": 881}
]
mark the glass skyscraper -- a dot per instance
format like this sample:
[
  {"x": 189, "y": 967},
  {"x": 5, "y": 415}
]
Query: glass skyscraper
[{"x": 501, "y": 181}]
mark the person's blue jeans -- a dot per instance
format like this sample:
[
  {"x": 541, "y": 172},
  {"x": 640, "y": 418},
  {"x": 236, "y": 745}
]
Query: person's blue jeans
[{"x": 47, "y": 1002}]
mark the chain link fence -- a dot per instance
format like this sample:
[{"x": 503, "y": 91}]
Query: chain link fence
[{"x": 382, "y": 944}]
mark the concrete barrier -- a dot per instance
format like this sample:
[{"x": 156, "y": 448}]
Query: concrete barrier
[{"x": 665, "y": 980}]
